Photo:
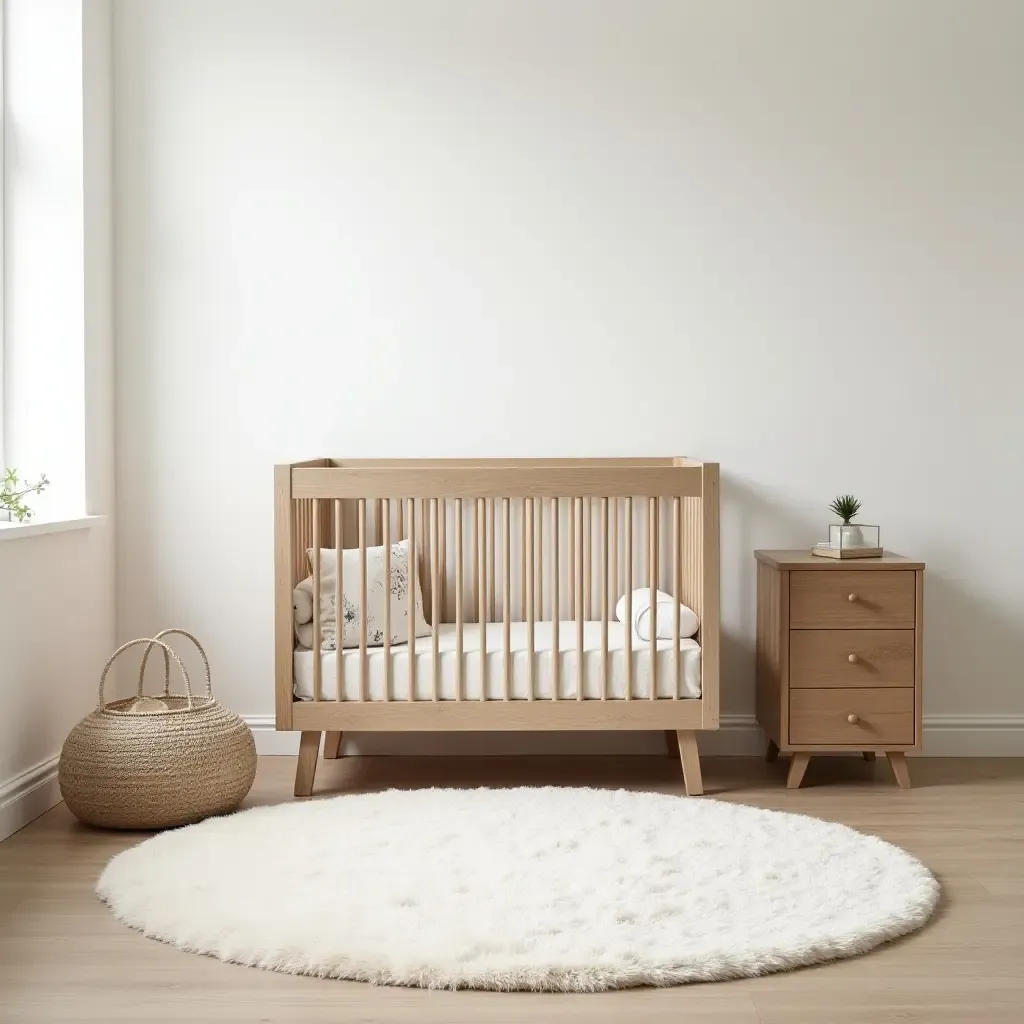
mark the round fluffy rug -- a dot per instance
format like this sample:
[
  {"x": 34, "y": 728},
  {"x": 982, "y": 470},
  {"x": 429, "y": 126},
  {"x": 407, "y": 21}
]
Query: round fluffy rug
[{"x": 558, "y": 889}]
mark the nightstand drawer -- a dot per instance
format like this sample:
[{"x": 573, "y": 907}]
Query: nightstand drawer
[
  {"x": 852, "y": 599},
  {"x": 851, "y": 657},
  {"x": 863, "y": 718}
]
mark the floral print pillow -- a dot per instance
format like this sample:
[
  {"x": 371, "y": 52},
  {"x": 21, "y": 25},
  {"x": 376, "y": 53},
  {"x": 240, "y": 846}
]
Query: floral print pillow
[{"x": 378, "y": 590}]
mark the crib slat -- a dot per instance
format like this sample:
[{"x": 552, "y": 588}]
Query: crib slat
[
  {"x": 379, "y": 524},
  {"x": 570, "y": 556},
  {"x": 588, "y": 593},
  {"x": 424, "y": 563},
  {"x": 458, "y": 598},
  {"x": 435, "y": 602},
  {"x": 363, "y": 664},
  {"x": 578, "y": 514},
  {"x": 677, "y": 596},
  {"x": 443, "y": 557},
  {"x": 491, "y": 517},
  {"x": 539, "y": 549},
  {"x": 615, "y": 550},
  {"x": 339, "y": 604},
  {"x": 317, "y": 640},
  {"x": 482, "y": 597},
  {"x": 522, "y": 560},
  {"x": 604, "y": 599},
  {"x": 412, "y": 599},
  {"x": 529, "y": 598},
  {"x": 386, "y": 542},
  {"x": 299, "y": 545},
  {"x": 555, "y": 614},
  {"x": 652, "y": 577},
  {"x": 506, "y": 604},
  {"x": 627, "y": 586},
  {"x": 400, "y": 525},
  {"x": 473, "y": 584}
]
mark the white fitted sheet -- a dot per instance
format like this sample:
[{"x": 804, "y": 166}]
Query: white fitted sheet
[{"x": 689, "y": 665}]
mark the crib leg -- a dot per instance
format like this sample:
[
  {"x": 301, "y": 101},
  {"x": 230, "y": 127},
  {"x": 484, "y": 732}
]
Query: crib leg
[
  {"x": 332, "y": 744},
  {"x": 305, "y": 767},
  {"x": 690, "y": 758}
]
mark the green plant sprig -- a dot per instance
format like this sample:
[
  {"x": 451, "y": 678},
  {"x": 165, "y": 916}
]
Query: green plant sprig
[
  {"x": 13, "y": 492},
  {"x": 846, "y": 506}
]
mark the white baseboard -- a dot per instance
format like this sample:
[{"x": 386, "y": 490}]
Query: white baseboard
[
  {"x": 944, "y": 736},
  {"x": 28, "y": 795},
  {"x": 974, "y": 735},
  {"x": 34, "y": 791},
  {"x": 268, "y": 739},
  {"x": 739, "y": 734}
]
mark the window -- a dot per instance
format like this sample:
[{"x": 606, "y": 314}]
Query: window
[
  {"x": 3, "y": 168},
  {"x": 45, "y": 78}
]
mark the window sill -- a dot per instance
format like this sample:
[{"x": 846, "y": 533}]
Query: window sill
[{"x": 19, "y": 531}]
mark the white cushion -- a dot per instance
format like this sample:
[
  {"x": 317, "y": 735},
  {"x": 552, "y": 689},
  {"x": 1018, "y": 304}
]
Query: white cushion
[
  {"x": 376, "y": 594},
  {"x": 664, "y": 615}
]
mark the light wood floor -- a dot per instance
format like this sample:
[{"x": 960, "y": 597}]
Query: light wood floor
[{"x": 64, "y": 958}]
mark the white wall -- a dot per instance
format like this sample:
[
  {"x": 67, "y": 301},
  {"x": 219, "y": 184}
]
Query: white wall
[
  {"x": 784, "y": 236},
  {"x": 57, "y": 590},
  {"x": 56, "y": 632}
]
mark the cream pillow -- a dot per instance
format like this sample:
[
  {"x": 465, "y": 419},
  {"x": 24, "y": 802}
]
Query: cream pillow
[
  {"x": 664, "y": 615},
  {"x": 377, "y": 592}
]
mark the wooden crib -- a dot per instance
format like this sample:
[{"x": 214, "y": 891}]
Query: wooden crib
[{"x": 537, "y": 548}]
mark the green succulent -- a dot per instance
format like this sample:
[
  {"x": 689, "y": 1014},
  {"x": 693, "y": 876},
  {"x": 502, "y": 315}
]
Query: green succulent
[
  {"x": 13, "y": 490},
  {"x": 846, "y": 506}
]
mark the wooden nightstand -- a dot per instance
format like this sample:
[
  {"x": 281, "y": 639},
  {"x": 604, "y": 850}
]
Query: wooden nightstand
[{"x": 839, "y": 657}]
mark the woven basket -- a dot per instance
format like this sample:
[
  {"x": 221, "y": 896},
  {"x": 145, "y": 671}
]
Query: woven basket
[{"x": 152, "y": 763}]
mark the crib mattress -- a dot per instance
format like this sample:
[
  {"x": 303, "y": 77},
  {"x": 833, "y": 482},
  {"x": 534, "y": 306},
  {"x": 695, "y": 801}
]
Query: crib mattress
[{"x": 593, "y": 676}]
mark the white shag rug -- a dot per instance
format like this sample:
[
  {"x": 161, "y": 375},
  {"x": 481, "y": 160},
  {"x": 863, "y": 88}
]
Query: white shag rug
[{"x": 543, "y": 889}]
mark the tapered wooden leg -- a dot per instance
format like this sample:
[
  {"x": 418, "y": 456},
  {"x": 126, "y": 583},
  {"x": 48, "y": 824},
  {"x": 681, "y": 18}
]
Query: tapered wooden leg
[
  {"x": 690, "y": 758},
  {"x": 332, "y": 743},
  {"x": 899, "y": 767},
  {"x": 772, "y": 753},
  {"x": 305, "y": 767},
  {"x": 869, "y": 755},
  {"x": 671, "y": 746},
  {"x": 797, "y": 767}
]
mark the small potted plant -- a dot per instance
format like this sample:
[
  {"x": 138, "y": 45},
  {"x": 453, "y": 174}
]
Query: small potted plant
[
  {"x": 846, "y": 507},
  {"x": 848, "y": 539},
  {"x": 13, "y": 492}
]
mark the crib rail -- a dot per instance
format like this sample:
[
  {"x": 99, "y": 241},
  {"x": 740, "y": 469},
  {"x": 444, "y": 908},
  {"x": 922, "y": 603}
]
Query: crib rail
[
  {"x": 504, "y": 542},
  {"x": 481, "y": 482}
]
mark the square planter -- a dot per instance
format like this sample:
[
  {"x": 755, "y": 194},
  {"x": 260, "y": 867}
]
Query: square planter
[{"x": 851, "y": 540}]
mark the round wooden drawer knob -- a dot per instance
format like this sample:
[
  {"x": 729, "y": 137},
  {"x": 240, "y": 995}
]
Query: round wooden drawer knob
[
  {"x": 853, "y": 659},
  {"x": 853, "y": 719},
  {"x": 851, "y": 597}
]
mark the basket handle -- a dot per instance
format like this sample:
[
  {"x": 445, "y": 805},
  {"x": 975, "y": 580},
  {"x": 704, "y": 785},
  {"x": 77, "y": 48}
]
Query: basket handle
[
  {"x": 145, "y": 640},
  {"x": 167, "y": 663}
]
